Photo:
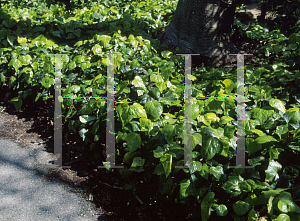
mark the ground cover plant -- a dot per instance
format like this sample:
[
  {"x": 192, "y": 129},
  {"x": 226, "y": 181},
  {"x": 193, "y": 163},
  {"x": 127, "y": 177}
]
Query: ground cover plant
[{"x": 149, "y": 108}]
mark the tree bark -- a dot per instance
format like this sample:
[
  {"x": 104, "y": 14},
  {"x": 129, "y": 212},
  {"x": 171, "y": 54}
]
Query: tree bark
[{"x": 202, "y": 27}]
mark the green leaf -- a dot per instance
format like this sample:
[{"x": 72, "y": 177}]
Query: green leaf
[
  {"x": 86, "y": 118},
  {"x": 96, "y": 49},
  {"x": 159, "y": 152},
  {"x": 82, "y": 133},
  {"x": 226, "y": 119},
  {"x": 286, "y": 203},
  {"x": 128, "y": 157},
  {"x": 159, "y": 170},
  {"x": 291, "y": 47},
  {"x": 211, "y": 146},
  {"x": 47, "y": 67},
  {"x": 217, "y": 172},
  {"x": 221, "y": 209},
  {"x": 258, "y": 132},
  {"x": 229, "y": 131},
  {"x": 283, "y": 217},
  {"x": 125, "y": 113},
  {"x": 277, "y": 104},
  {"x": 241, "y": 207},
  {"x": 25, "y": 59},
  {"x": 11, "y": 40},
  {"x": 154, "y": 108},
  {"x": 134, "y": 141},
  {"x": 154, "y": 92},
  {"x": 204, "y": 172},
  {"x": 56, "y": 33},
  {"x": 229, "y": 85},
  {"x": 252, "y": 146},
  {"x": 169, "y": 132},
  {"x": 11, "y": 81},
  {"x": 17, "y": 101},
  {"x": 232, "y": 185},
  {"x": 166, "y": 161},
  {"x": 264, "y": 139},
  {"x": 195, "y": 166},
  {"x": 196, "y": 139},
  {"x": 104, "y": 39},
  {"x": 22, "y": 40},
  {"x": 138, "y": 82},
  {"x": 184, "y": 188},
  {"x": 146, "y": 124},
  {"x": 138, "y": 110},
  {"x": 79, "y": 59},
  {"x": 47, "y": 82},
  {"x": 72, "y": 65},
  {"x": 206, "y": 205},
  {"x": 2, "y": 77},
  {"x": 166, "y": 54},
  {"x": 211, "y": 116},
  {"x": 138, "y": 162},
  {"x": 75, "y": 88},
  {"x": 282, "y": 129},
  {"x": 272, "y": 171},
  {"x": 15, "y": 63}
]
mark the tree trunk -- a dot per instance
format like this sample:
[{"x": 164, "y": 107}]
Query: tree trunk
[{"x": 202, "y": 27}]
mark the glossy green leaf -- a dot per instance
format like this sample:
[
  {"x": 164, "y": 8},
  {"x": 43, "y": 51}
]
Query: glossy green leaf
[
  {"x": 211, "y": 146},
  {"x": 25, "y": 59},
  {"x": 104, "y": 39},
  {"x": 217, "y": 172},
  {"x": 15, "y": 63},
  {"x": 232, "y": 185},
  {"x": 22, "y": 40},
  {"x": 86, "y": 118},
  {"x": 196, "y": 139},
  {"x": 221, "y": 209},
  {"x": 97, "y": 49},
  {"x": 47, "y": 82},
  {"x": 195, "y": 166},
  {"x": 134, "y": 141},
  {"x": 264, "y": 139},
  {"x": 138, "y": 82},
  {"x": 272, "y": 170},
  {"x": 11, "y": 39},
  {"x": 125, "y": 113},
  {"x": 75, "y": 88},
  {"x": 226, "y": 119},
  {"x": 211, "y": 116},
  {"x": 154, "y": 108},
  {"x": 286, "y": 203},
  {"x": 283, "y": 217},
  {"x": 241, "y": 207},
  {"x": 277, "y": 104},
  {"x": 229, "y": 131},
  {"x": 72, "y": 65}
]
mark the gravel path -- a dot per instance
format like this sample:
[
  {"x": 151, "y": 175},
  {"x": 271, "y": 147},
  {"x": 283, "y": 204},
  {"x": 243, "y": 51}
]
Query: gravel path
[
  {"x": 28, "y": 192},
  {"x": 25, "y": 195}
]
